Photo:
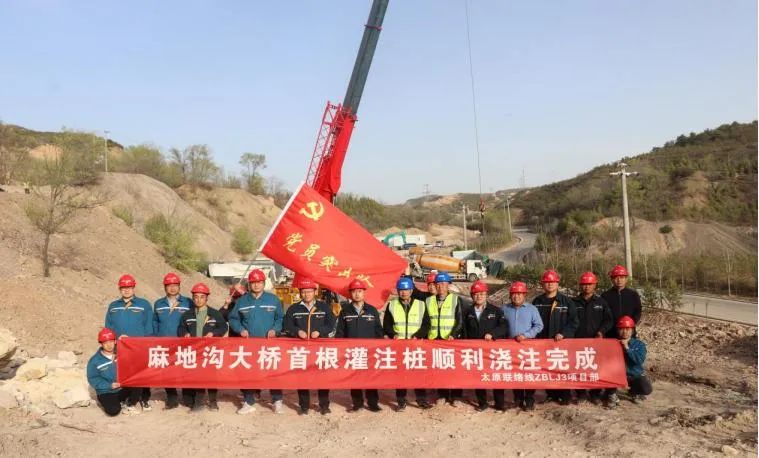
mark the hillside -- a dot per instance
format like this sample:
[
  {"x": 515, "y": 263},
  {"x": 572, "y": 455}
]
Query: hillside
[{"x": 710, "y": 176}]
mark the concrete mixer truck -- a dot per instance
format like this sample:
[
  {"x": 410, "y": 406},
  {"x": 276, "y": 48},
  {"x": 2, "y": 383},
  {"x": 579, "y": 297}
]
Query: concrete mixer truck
[{"x": 460, "y": 269}]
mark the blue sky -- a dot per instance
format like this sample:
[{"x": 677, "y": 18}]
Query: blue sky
[{"x": 561, "y": 86}]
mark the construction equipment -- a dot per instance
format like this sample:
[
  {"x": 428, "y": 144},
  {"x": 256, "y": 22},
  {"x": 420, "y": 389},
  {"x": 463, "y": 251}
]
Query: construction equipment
[
  {"x": 391, "y": 239},
  {"x": 459, "y": 269},
  {"x": 324, "y": 171}
]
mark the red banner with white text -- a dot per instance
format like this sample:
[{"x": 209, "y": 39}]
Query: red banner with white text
[{"x": 286, "y": 363}]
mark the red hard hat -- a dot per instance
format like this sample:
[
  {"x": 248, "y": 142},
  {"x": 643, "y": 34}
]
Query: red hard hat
[
  {"x": 588, "y": 278},
  {"x": 431, "y": 278},
  {"x": 478, "y": 287},
  {"x": 236, "y": 290},
  {"x": 550, "y": 276},
  {"x": 618, "y": 271},
  {"x": 200, "y": 288},
  {"x": 256, "y": 275},
  {"x": 306, "y": 283},
  {"x": 171, "y": 279},
  {"x": 625, "y": 322},
  {"x": 127, "y": 281},
  {"x": 356, "y": 284},
  {"x": 518, "y": 287},
  {"x": 106, "y": 334}
]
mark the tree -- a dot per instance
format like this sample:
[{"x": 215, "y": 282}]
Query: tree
[
  {"x": 58, "y": 198},
  {"x": 195, "y": 164},
  {"x": 253, "y": 163}
]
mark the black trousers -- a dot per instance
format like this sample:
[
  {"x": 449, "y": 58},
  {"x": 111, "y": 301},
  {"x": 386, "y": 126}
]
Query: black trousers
[
  {"x": 498, "y": 398},
  {"x": 638, "y": 385},
  {"x": 304, "y": 398},
  {"x": 190, "y": 394},
  {"x": 420, "y": 393},
  {"x": 372, "y": 397},
  {"x": 171, "y": 393},
  {"x": 145, "y": 394},
  {"x": 111, "y": 402},
  {"x": 558, "y": 394},
  {"x": 450, "y": 394},
  {"x": 523, "y": 395}
]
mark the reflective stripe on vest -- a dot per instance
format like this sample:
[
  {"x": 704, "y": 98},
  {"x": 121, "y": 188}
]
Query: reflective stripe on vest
[
  {"x": 406, "y": 326},
  {"x": 443, "y": 318}
]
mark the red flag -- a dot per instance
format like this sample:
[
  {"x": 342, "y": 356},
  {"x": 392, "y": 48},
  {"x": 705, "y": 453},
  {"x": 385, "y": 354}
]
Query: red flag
[{"x": 313, "y": 238}]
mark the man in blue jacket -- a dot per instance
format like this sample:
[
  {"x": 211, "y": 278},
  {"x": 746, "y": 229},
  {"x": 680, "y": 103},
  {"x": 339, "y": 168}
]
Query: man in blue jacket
[
  {"x": 523, "y": 322},
  {"x": 635, "y": 355},
  {"x": 257, "y": 314},
  {"x": 131, "y": 316},
  {"x": 167, "y": 313},
  {"x": 101, "y": 375}
]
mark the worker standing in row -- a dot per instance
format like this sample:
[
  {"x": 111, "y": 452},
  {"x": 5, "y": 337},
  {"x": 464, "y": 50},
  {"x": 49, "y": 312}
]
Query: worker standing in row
[
  {"x": 167, "y": 313},
  {"x": 523, "y": 322},
  {"x": 359, "y": 320},
  {"x": 446, "y": 313},
  {"x": 201, "y": 321},
  {"x": 623, "y": 301},
  {"x": 407, "y": 318},
  {"x": 131, "y": 316},
  {"x": 559, "y": 315},
  {"x": 595, "y": 320},
  {"x": 257, "y": 314},
  {"x": 310, "y": 319},
  {"x": 485, "y": 321}
]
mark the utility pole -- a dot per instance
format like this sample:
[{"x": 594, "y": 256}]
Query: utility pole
[
  {"x": 464, "y": 209},
  {"x": 106, "y": 149},
  {"x": 508, "y": 215},
  {"x": 626, "y": 213}
]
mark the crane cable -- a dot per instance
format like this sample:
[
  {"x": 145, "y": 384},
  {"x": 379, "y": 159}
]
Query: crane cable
[{"x": 474, "y": 115}]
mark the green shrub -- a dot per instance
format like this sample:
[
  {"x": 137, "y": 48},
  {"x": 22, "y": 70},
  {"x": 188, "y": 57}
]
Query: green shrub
[
  {"x": 242, "y": 241},
  {"x": 666, "y": 229},
  {"x": 124, "y": 214},
  {"x": 175, "y": 242}
]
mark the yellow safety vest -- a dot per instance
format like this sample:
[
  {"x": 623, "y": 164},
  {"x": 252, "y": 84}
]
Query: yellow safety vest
[
  {"x": 442, "y": 317},
  {"x": 404, "y": 325}
]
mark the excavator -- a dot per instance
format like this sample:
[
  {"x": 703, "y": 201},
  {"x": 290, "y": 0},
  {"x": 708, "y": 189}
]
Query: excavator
[{"x": 335, "y": 131}]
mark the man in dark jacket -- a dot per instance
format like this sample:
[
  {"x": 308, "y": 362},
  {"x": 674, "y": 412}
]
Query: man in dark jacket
[
  {"x": 623, "y": 301},
  {"x": 310, "y": 319},
  {"x": 201, "y": 321},
  {"x": 559, "y": 315},
  {"x": 446, "y": 313},
  {"x": 595, "y": 321},
  {"x": 485, "y": 321},
  {"x": 360, "y": 320},
  {"x": 407, "y": 318},
  {"x": 167, "y": 313}
]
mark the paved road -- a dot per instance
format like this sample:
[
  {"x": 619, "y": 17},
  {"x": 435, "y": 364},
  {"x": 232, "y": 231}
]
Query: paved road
[
  {"x": 724, "y": 309},
  {"x": 515, "y": 253}
]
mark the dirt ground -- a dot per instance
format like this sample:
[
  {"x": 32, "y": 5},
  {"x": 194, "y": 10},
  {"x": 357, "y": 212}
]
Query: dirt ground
[{"x": 704, "y": 404}]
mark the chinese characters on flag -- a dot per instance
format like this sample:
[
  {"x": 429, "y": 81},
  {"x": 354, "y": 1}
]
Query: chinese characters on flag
[
  {"x": 369, "y": 363},
  {"x": 313, "y": 238}
]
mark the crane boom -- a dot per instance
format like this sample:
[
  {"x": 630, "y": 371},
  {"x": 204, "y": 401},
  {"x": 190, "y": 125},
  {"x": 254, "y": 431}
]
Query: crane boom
[{"x": 332, "y": 140}]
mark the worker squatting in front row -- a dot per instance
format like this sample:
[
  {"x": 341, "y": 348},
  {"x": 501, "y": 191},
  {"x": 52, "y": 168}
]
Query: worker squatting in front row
[{"x": 438, "y": 314}]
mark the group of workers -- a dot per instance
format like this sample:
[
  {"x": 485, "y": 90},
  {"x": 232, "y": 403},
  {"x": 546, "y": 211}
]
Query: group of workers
[{"x": 414, "y": 314}]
